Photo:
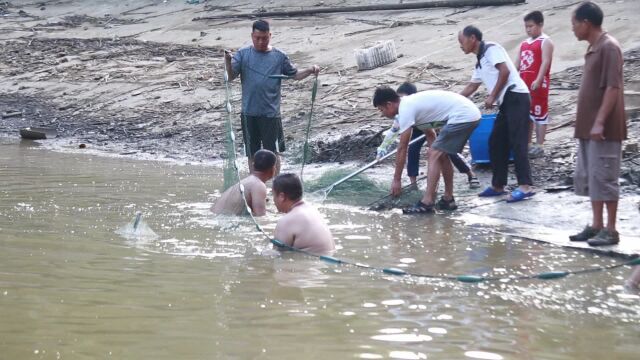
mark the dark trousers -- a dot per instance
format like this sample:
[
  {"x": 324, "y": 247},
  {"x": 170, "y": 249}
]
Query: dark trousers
[
  {"x": 511, "y": 133},
  {"x": 413, "y": 157}
]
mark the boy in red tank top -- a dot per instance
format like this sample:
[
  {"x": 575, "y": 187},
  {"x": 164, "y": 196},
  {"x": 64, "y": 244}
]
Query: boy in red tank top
[{"x": 534, "y": 65}]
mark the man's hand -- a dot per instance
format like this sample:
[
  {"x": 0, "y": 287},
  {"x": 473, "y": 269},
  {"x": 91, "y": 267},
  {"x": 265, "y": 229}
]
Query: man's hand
[
  {"x": 488, "y": 103},
  {"x": 396, "y": 187},
  {"x": 597, "y": 132},
  {"x": 536, "y": 84},
  {"x": 315, "y": 70},
  {"x": 227, "y": 54}
]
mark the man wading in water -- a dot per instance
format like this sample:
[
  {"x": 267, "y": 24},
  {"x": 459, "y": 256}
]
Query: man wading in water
[
  {"x": 302, "y": 227},
  {"x": 255, "y": 191}
]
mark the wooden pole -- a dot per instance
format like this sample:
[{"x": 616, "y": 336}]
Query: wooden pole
[{"x": 381, "y": 7}]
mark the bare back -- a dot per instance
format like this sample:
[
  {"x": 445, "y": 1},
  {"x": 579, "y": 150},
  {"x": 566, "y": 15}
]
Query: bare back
[
  {"x": 231, "y": 203},
  {"x": 304, "y": 228}
]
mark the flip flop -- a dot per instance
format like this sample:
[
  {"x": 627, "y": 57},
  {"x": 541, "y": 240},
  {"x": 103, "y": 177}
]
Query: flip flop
[
  {"x": 519, "y": 195},
  {"x": 488, "y": 192},
  {"x": 419, "y": 208}
]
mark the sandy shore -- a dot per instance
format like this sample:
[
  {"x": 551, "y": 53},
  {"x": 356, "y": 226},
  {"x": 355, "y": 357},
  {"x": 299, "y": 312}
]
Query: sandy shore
[{"x": 142, "y": 77}]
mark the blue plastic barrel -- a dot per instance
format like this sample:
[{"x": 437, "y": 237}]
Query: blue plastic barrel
[{"x": 479, "y": 140}]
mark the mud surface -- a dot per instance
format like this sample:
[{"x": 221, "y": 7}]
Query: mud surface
[{"x": 127, "y": 94}]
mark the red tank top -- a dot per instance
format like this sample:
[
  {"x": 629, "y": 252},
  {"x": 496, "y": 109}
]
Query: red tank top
[{"x": 531, "y": 61}]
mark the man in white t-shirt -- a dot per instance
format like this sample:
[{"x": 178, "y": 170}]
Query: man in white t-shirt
[
  {"x": 427, "y": 110},
  {"x": 510, "y": 132}
]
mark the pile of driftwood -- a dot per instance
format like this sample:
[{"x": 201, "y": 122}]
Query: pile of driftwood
[{"x": 379, "y": 7}]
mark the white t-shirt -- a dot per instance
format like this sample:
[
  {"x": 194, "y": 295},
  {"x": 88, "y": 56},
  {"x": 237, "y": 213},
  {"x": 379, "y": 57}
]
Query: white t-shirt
[
  {"x": 488, "y": 73},
  {"x": 435, "y": 106}
]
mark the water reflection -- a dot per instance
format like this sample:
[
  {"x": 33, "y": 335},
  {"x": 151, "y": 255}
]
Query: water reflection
[{"x": 213, "y": 287}]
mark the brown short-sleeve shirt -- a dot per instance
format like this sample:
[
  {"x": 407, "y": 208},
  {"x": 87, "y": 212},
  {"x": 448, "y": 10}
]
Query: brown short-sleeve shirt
[{"x": 602, "y": 68}]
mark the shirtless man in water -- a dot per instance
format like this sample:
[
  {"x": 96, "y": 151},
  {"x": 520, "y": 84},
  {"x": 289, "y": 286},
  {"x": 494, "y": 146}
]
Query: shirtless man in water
[
  {"x": 255, "y": 191},
  {"x": 302, "y": 227}
]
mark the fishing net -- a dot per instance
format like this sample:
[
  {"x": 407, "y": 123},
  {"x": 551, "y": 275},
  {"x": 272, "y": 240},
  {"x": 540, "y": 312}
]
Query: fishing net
[
  {"x": 230, "y": 173},
  {"x": 306, "y": 151},
  {"x": 359, "y": 190}
]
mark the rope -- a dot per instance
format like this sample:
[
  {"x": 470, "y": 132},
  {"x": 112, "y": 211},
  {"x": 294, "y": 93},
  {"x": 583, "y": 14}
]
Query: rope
[{"x": 548, "y": 275}]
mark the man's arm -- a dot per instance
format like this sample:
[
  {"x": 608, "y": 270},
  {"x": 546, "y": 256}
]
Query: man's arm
[
  {"x": 503, "y": 77},
  {"x": 401, "y": 158},
  {"x": 469, "y": 89},
  {"x": 547, "y": 55},
  {"x": 608, "y": 103},
  {"x": 302, "y": 74},
  {"x": 259, "y": 200},
  {"x": 283, "y": 231}
]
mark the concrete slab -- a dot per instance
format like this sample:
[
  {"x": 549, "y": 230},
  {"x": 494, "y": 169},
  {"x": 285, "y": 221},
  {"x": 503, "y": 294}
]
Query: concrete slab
[{"x": 552, "y": 217}]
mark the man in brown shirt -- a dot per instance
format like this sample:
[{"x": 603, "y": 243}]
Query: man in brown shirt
[{"x": 600, "y": 125}]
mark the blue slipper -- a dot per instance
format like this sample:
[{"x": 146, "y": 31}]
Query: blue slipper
[
  {"x": 518, "y": 195},
  {"x": 490, "y": 192}
]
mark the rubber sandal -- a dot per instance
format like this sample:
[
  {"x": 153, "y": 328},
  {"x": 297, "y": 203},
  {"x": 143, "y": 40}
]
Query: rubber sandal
[
  {"x": 474, "y": 183},
  {"x": 490, "y": 192},
  {"x": 419, "y": 208},
  {"x": 519, "y": 195},
  {"x": 449, "y": 205}
]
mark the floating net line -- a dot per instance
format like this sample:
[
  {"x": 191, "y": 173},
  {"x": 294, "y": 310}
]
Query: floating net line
[{"x": 547, "y": 275}]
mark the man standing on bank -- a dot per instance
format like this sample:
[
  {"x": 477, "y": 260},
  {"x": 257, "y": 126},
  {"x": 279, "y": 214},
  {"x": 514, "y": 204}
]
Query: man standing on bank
[
  {"x": 261, "y": 69},
  {"x": 510, "y": 132},
  {"x": 601, "y": 125}
]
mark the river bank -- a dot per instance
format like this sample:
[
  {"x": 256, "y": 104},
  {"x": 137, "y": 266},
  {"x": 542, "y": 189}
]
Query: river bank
[{"x": 136, "y": 80}]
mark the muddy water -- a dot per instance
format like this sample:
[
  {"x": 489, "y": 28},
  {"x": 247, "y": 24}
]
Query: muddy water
[{"x": 71, "y": 287}]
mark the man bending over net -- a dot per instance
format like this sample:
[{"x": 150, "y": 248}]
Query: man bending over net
[{"x": 255, "y": 191}]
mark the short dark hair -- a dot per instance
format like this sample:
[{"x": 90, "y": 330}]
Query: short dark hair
[
  {"x": 472, "y": 30},
  {"x": 264, "y": 160},
  {"x": 535, "y": 16},
  {"x": 589, "y": 11},
  {"x": 383, "y": 95},
  {"x": 407, "y": 88},
  {"x": 289, "y": 185},
  {"x": 260, "y": 25}
]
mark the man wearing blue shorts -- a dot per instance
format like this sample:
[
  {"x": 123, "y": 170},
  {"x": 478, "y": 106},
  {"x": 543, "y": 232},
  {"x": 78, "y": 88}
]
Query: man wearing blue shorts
[{"x": 261, "y": 68}]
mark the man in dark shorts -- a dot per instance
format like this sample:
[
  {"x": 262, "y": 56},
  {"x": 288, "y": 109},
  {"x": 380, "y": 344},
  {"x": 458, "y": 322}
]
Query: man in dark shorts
[
  {"x": 261, "y": 68},
  {"x": 601, "y": 125},
  {"x": 510, "y": 132}
]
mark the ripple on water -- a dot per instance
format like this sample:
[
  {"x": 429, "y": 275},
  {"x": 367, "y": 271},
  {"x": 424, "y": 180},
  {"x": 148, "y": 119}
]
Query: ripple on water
[
  {"x": 483, "y": 355},
  {"x": 393, "y": 302},
  {"x": 404, "y": 338},
  {"x": 370, "y": 356},
  {"x": 437, "y": 330},
  {"x": 409, "y": 355}
]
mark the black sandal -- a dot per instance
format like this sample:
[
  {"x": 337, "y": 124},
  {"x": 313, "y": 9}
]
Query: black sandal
[
  {"x": 449, "y": 205},
  {"x": 419, "y": 208},
  {"x": 474, "y": 183}
]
